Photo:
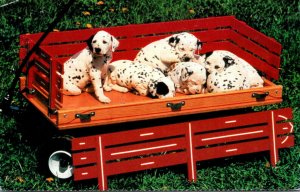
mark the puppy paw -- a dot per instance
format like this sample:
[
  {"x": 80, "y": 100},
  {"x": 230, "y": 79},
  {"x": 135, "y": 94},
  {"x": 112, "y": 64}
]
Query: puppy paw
[
  {"x": 104, "y": 99},
  {"x": 107, "y": 88}
]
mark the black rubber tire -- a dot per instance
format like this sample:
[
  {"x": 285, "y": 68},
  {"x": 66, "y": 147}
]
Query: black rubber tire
[{"x": 58, "y": 148}]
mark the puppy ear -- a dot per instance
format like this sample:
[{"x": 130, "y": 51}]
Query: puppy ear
[
  {"x": 228, "y": 61},
  {"x": 89, "y": 42},
  {"x": 114, "y": 43},
  {"x": 173, "y": 40},
  {"x": 199, "y": 44},
  {"x": 208, "y": 54},
  {"x": 162, "y": 88},
  {"x": 185, "y": 74}
]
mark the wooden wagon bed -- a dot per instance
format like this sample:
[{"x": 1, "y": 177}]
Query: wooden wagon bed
[{"x": 67, "y": 112}]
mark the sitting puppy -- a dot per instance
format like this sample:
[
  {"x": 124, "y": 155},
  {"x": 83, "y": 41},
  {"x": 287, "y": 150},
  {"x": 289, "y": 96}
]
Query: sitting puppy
[
  {"x": 163, "y": 53},
  {"x": 125, "y": 75},
  {"x": 90, "y": 66},
  {"x": 219, "y": 60},
  {"x": 189, "y": 77}
]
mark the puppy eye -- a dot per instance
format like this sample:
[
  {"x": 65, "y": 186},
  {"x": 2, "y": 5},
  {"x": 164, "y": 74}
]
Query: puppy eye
[
  {"x": 94, "y": 41},
  {"x": 217, "y": 67},
  {"x": 181, "y": 49},
  {"x": 207, "y": 62},
  {"x": 104, "y": 42}
]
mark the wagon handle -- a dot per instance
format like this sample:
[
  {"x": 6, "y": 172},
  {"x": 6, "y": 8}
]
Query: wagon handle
[
  {"x": 176, "y": 106},
  {"x": 260, "y": 95},
  {"x": 8, "y": 98}
]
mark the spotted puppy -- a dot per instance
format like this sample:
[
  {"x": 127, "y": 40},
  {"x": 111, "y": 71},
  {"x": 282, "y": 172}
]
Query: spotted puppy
[
  {"x": 90, "y": 66},
  {"x": 165, "y": 52},
  {"x": 189, "y": 77},
  {"x": 219, "y": 60},
  {"x": 125, "y": 75},
  {"x": 228, "y": 72}
]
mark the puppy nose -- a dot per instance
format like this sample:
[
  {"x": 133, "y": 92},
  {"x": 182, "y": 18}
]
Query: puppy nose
[
  {"x": 186, "y": 59},
  {"x": 97, "y": 50}
]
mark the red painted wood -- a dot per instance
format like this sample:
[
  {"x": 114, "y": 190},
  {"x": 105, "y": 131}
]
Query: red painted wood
[
  {"x": 146, "y": 163},
  {"x": 256, "y": 36},
  {"x": 217, "y": 135},
  {"x": 86, "y": 157},
  {"x": 83, "y": 173},
  {"x": 155, "y": 132},
  {"x": 284, "y": 128},
  {"x": 238, "y": 134},
  {"x": 283, "y": 114},
  {"x": 83, "y": 143},
  {"x": 231, "y": 150},
  {"x": 145, "y": 148},
  {"x": 222, "y": 123}
]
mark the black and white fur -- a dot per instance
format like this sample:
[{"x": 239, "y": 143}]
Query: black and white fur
[
  {"x": 163, "y": 53},
  {"x": 125, "y": 75},
  {"x": 90, "y": 66}
]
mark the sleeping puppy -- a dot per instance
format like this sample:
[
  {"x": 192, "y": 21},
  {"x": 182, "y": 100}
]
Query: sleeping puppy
[
  {"x": 90, "y": 66},
  {"x": 219, "y": 60},
  {"x": 125, "y": 75},
  {"x": 161, "y": 54},
  {"x": 189, "y": 77},
  {"x": 228, "y": 72}
]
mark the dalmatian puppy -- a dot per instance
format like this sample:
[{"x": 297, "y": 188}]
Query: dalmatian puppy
[
  {"x": 189, "y": 77},
  {"x": 219, "y": 60},
  {"x": 228, "y": 72},
  {"x": 125, "y": 75},
  {"x": 90, "y": 66},
  {"x": 165, "y": 52}
]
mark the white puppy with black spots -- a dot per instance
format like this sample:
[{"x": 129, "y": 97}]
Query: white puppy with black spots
[
  {"x": 189, "y": 77},
  {"x": 125, "y": 75},
  {"x": 165, "y": 52},
  {"x": 228, "y": 72},
  {"x": 90, "y": 66}
]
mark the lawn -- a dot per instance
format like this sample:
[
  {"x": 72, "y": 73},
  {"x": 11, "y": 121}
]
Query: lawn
[{"x": 279, "y": 19}]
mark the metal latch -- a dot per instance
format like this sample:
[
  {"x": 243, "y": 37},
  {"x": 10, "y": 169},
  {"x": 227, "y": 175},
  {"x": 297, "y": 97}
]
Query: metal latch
[
  {"x": 260, "y": 96},
  {"x": 176, "y": 106},
  {"x": 85, "y": 117}
]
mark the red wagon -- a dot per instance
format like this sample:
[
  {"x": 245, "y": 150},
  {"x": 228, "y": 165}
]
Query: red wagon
[{"x": 135, "y": 133}]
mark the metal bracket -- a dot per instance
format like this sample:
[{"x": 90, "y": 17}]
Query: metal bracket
[
  {"x": 176, "y": 106},
  {"x": 260, "y": 96},
  {"x": 85, "y": 117}
]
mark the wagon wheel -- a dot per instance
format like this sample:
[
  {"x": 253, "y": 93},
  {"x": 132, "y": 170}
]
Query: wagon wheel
[{"x": 56, "y": 159}]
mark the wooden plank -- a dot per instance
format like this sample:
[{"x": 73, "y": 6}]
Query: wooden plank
[
  {"x": 257, "y": 36},
  {"x": 84, "y": 158},
  {"x": 145, "y": 148},
  {"x": 84, "y": 173},
  {"x": 144, "y": 134},
  {"x": 146, "y": 163},
  {"x": 231, "y": 150},
  {"x": 239, "y": 134},
  {"x": 84, "y": 143},
  {"x": 228, "y": 122}
]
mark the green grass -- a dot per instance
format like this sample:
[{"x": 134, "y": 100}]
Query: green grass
[{"x": 279, "y": 19}]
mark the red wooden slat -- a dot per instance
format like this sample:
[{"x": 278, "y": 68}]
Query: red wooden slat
[
  {"x": 145, "y": 148},
  {"x": 230, "y": 136},
  {"x": 286, "y": 141},
  {"x": 84, "y": 143},
  {"x": 284, "y": 128},
  {"x": 145, "y": 134},
  {"x": 145, "y": 163},
  {"x": 257, "y": 36},
  {"x": 213, "y": 124},
  {"x": 255, "y": 48},
  {"x": 84, "y": 158},
  {"x": 231, "y": 150},
  {"x": 83, "y": 173},
  {"x": 283, "y": 114}
]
